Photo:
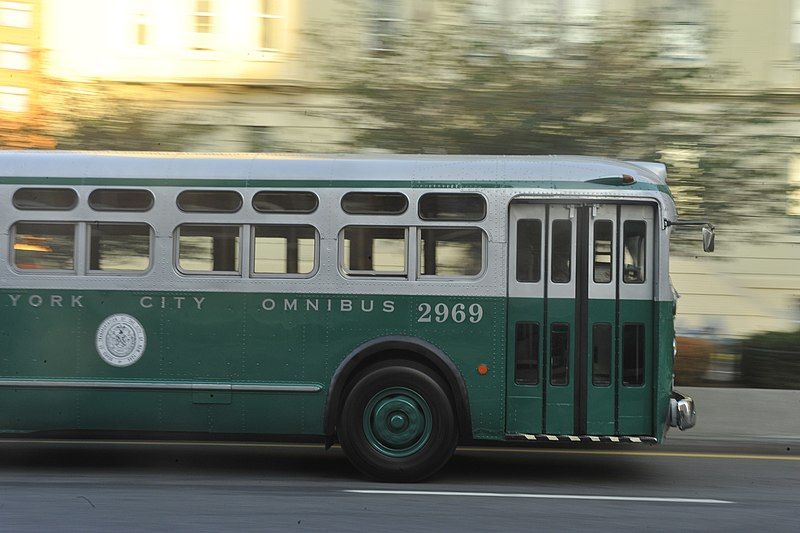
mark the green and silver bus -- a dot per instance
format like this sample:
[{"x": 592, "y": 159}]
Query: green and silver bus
[{"x": 399, "y": 305}]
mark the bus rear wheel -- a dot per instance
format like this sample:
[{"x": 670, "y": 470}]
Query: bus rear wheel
[{"x": 397, "y": 423}]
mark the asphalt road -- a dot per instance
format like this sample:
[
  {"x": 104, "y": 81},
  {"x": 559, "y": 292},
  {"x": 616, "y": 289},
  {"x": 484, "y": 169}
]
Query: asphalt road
[{"x": 99, "y": 486}]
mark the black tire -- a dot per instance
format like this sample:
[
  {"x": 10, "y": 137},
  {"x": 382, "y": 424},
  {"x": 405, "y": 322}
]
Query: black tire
[{"x": 409, "y": 384}]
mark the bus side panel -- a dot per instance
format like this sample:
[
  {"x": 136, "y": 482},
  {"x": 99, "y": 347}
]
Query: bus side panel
[
  {"x": 636, "y": 401},
  {"x": 665, "y": 336},
  {"x": 525, "y": 402}
]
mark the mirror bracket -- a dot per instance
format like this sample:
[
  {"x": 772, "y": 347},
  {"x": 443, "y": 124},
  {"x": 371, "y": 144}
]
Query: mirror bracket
[{"x": 707, "y": 228}]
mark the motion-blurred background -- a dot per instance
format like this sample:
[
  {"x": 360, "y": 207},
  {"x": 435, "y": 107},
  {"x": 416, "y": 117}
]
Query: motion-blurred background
[{"x": 711, "y": 88}]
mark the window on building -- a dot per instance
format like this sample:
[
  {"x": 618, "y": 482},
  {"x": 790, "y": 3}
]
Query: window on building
[
  {"x": 683, "y": 29},
  {"x": 15, "y": 57},
  {"x": 208, "y": 248},
  {"x": 452, "y": 207},
  {"x": 121, "y": 200},
  {"x": 16, "y": 14},
  {"x": 45, "y": 199},
  {"x": 13, "y": 99},
  {"x": 203, "y": 24},
  {"x": 210, "y": 201},
  {"x": 385, "y": 25},
  {"x": 374, "y": 203},
  {"x": 141, "y": 29},
  {"x": 285, "y": 202},
  {"x": 796, "y": 27},
  {"x": 370, "y": 250},
  {"x": 450, "y": 252},
  {"x": 270, "y": 24},
  {"x": 44, "y": 246},
  {"x": 280, "y": 250},
  {"x": 119, "y": 247}
]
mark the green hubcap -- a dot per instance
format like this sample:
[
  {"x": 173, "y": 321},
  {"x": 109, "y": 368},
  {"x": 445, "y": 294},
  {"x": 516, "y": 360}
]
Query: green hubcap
[{"x": 397, "y": 422}]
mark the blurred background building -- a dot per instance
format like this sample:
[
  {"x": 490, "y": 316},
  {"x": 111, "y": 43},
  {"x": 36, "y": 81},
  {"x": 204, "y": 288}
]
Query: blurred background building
[{"x": 714, "y": 93}]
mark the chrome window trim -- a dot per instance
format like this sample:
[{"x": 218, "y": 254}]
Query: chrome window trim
[
  {"x": 369, "y": 274},
  {"x": 434, "y": 277},
  {"x": 262, "y": 275},
  {"x": 215, "y": 273},
  {"x": 122, "y": 210},
  {"x": 12, "y": 233},
  {"x": 75, "y": 204},
  {"x": 88, "y": 252}
]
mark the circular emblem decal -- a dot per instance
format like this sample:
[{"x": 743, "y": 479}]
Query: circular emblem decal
[{"x": 120, "y": 340}]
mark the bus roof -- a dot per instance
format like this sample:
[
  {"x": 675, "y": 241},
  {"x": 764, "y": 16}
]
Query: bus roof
[{"x": 483, "y": 170}]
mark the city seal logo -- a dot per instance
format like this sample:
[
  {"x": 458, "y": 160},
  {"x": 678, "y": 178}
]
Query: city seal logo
[{"x": 120, "y": 340}]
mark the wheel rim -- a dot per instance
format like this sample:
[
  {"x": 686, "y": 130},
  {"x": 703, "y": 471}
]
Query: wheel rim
[{"x": 397, "y": 422}]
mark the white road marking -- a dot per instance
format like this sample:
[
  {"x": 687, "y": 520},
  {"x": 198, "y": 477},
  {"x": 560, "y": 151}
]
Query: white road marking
[{"x": 536, "y": 496}]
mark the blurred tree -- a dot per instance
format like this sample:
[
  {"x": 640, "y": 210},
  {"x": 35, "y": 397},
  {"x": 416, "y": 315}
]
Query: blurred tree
[
  {"x": 466, "y": 88},
  {"x": 99, "y": 118}
]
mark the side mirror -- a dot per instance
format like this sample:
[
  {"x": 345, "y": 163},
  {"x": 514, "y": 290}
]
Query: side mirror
[{"x": 708, "y": 238}]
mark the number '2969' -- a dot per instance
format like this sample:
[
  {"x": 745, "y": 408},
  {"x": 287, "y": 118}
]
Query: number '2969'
[{"x": 458, "y": 313}]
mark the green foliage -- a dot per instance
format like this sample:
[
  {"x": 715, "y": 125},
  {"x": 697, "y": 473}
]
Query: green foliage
[
  {"x": 466, "y": 88},
  {"x": 97, "y": 118},
  {"x": 772, "y": 360}
]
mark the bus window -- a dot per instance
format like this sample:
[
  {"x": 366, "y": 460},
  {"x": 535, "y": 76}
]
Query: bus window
[
  {"x": 526, "y": 353},
  {"x": 208, "y": 248},
  {"x": 529, "y": 251},
  {"x": 44, "y": 246},
  {"x": 285, "y": 202},
  {"x": 374, "y": 203},
  {"x": 603, "y": 246},
  {"x": 121, "y": 200},
  {"x": 284, "y": 249},
  {"x": 45, "y": 199},
  {"x": 601, "y": 354},
  {"x": 561, "y": 251},
  {"x": 633, "y": 355},
  {"x": 452, "y": 206},
  {"x": 119, "y": 247},
  {"x": 559, "y": 354},
  {"x": 374, "y": 250},
  {"x": 634, "y": 250},
  {"x": 209, "y": 201},
  {"x": 450, "y": 252}
]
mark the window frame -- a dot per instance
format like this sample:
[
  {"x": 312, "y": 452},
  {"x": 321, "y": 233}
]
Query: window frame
[
  {"x": 260, "y": 275},
  {"x": 208, "y": 212},
  {"x": 118, "y": 210},
  {"x": 88, "y": 255},
  {"x": 375, "y": 213},
  {"x": 176, "y": 250},
  {"x": 450, "y": 221},
  {"x": 265, "y": 20},
  {"x": 311, "y": 193},
  {"x": 371, "y": 274},
  {"x": 434, "y": 277},
  {"x": 75, "y": 204},
  {"x": 12, "y": 233}
]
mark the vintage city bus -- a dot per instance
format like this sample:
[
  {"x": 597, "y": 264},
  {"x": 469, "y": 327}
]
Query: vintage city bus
[{"x": 399, "y": 305}]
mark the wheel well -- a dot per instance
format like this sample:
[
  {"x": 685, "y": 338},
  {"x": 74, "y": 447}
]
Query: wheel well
[{"x": 402, "y": 348}]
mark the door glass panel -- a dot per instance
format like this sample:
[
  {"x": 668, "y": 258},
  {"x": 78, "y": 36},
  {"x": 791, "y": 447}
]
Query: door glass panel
[
  {"x": 601, "y": 355},
  {"x": 559, "y": 354},
  {"x": 526, "y": 367},
  {"x": 633, "y": 354},
  {"x": 634, "y": 241},
  {"x": 561, "y": 251},
  {"x": 529, "y": 251},
  {"x": 603, "y": 246}
]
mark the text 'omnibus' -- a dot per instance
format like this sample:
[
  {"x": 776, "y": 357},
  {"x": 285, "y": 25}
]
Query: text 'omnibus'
[{"x": 398, "y": 304}]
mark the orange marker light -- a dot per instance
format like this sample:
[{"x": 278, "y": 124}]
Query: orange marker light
[{"x": 483, "y": 369}]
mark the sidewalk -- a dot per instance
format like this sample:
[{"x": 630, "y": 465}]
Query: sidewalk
[{"x": 746, "y": 414}]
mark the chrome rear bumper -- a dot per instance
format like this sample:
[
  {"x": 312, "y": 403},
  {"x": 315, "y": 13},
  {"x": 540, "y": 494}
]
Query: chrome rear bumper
[{"x": 682, "y": 414}]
